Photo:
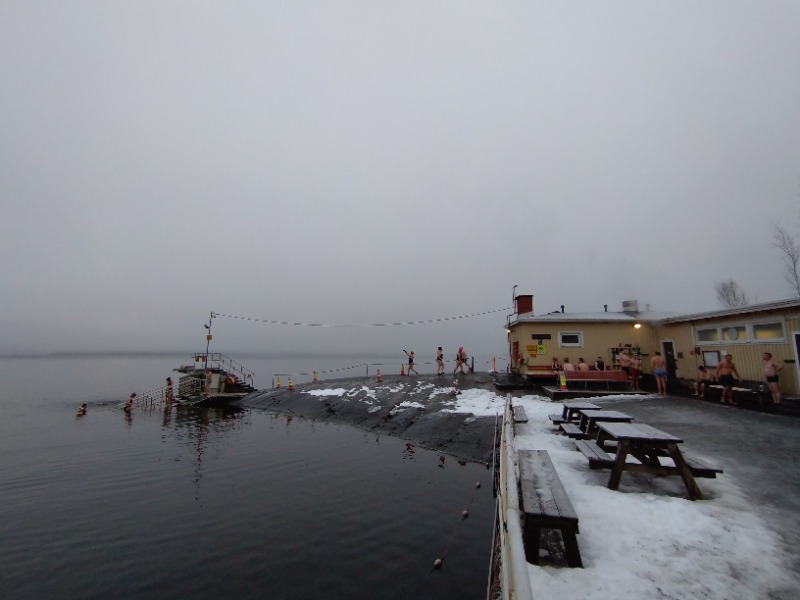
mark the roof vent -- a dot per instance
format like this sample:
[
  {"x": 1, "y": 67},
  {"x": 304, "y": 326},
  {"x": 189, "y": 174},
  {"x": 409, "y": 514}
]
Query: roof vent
[{"x": 630, "y": 306}]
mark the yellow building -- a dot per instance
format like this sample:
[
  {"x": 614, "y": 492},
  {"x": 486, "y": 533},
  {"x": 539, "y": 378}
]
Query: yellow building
[{"x": 686, "y": 341}]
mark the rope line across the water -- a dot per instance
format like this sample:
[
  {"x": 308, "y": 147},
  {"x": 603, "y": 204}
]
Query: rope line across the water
[{"x": 397, "y": 324}]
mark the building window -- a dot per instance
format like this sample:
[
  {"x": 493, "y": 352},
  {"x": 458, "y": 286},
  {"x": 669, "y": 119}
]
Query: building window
[
  {"x": 570, "y": 339},
  {"x": 738, "y": 333},
  {"x": 707, "y": 335},
  {"x": 735, "y": 333},
  {"x": 768, "y": 332}
]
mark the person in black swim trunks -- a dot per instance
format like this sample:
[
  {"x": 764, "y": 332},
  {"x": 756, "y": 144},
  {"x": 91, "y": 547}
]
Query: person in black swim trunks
[
  {"x": 726, "y": 371},
  {"x": 410, "y": 356},
  {"x": 771, "y": 369}
]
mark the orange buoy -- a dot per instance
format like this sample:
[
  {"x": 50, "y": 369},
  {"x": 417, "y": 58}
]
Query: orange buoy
[
  {"x": 291, "y": 385},
  {"x": 402, "y": 371},
  {"x": 378, "y": 377}
]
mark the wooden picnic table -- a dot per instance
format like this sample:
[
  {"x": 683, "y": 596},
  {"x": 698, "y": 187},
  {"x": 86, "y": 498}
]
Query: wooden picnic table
[
  {"x": 590, "y": 418},
  {"x": 648, "y": 445},
  {"x": 573, "y": 407}
]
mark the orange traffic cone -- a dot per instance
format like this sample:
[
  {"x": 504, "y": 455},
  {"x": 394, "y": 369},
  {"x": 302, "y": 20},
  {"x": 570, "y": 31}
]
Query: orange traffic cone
[
  {"x": 315, "y": 377},
  {"x": 277, "y": 383},
  {"x": 563, "y": 378},
  {"x": 291, "y": 385},
  {"x": 378, "y": 377},
  {"x": 402, "y": 371}
]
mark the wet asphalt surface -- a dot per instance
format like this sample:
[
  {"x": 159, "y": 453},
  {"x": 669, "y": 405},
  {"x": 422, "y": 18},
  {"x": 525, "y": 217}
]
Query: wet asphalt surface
[{"x": 759, "y": 450}]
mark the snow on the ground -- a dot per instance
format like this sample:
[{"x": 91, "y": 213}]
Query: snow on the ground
[{"x": 645, "y": 540}]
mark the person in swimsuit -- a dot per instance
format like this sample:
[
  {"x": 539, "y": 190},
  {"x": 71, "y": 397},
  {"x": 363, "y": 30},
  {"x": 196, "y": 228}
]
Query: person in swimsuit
[
  {"x": 635, "y": 365},
  {"x": 624, "y": 360},
  {"x": 459, "y": 362},
  {"x": 168, "y": 395},
  {"x": 556, "y": 366},
  {"x": 659, "y": 365},
  {"x": 726, "y": 371},
  {"x": 582, "y": 366},
  {"x": 599, "y": 364},
  {"x": 567, "y": 366},
  {"x": 410, "y": 356},
  {"x": 129, "y": 403},
  {"x": 771, "y": 369},
  {"x": 439, "y": 361},
  {"x": 81, "y": 410}
]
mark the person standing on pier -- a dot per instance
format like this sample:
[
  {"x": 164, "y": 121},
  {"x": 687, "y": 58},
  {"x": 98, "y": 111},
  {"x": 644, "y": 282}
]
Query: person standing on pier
[
  {"x": 439, "y": 361},
  {"x": 410, "y": 356},
  {"x": 460, "y": 360},
  {"x": 168, "y": 396}
]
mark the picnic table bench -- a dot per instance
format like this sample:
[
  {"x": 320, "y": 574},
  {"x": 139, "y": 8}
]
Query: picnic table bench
[
  {"x": 519, "y": 414},
  {"x": 546, "y": 506},
  {"x": 571, "y": 430},
  {"x": 587, "y": 377}
]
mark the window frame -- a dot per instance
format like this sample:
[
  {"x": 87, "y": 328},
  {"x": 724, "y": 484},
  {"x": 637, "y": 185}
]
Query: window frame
[
  {"x": 562, "y": 344},
  {"x": 749, "y": 332}
]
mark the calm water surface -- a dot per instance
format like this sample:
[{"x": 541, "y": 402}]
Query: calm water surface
[{"x": 219, "y": 504}]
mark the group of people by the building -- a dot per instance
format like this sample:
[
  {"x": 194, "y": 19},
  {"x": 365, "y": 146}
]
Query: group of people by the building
[
  {"x": 726, "y": 374},
  {"x": 461, "y": 361},
  {"x": 631, "y": 362}
]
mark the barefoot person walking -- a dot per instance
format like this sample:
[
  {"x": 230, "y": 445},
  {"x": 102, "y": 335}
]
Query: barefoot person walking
[{"x": 659, "y": 365}]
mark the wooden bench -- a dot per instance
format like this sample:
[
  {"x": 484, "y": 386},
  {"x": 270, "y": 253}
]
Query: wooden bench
[
  {"x": 556, "y": 419},
  {"x": 541, "y": 371},
  {"x": 587, "y": 377},
  {"x": 546, "y": 506},
  {"x": 598, "y": 458},
  {"x": 700, "y": 467},
  {"x": 519, "y": 414},
  {"x": 572, "y": 430}
]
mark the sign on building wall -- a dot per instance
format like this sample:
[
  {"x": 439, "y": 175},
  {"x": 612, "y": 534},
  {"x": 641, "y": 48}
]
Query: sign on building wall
[{"x": 536, "y": 349}]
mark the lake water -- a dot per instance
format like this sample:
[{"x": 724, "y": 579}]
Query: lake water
[{"x": 219, "y": 503}]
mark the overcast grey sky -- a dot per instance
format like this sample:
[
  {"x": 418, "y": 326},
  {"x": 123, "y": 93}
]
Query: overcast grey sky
[{"x": 363, "y": 162}]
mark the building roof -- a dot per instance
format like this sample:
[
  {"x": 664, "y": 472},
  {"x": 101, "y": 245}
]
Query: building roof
[
  {"x": 739, "y": 310},
  {"x": 594, "y": 317},
  {"x": 652, "y": 316}
]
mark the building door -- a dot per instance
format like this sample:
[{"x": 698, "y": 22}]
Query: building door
[
  {"x": 796, "y": 336},
  {"x": 668, "y": 350}
]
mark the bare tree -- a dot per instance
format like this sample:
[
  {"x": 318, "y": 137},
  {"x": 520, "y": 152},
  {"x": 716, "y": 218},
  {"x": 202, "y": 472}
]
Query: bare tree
[
  {"x": 730, "y": 294},
  {"x": 790, "y": 253}
]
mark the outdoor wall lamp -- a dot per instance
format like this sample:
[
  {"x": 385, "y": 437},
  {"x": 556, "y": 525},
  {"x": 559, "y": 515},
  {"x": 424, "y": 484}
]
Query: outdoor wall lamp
[{"x": 637, "y": 326}]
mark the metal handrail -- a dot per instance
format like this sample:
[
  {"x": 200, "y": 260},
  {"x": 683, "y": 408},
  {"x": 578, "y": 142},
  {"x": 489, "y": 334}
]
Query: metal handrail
[
  {"x": 217, "y": 360},
  {"x": 158, "y": 396}
]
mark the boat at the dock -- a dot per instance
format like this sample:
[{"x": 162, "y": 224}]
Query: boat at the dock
[{"x": 211, "y": 379}]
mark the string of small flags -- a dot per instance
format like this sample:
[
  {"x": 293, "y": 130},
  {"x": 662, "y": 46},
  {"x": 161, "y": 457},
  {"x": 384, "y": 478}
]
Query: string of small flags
[{"x": 397, "y": 324}]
